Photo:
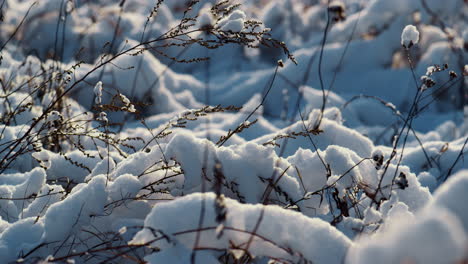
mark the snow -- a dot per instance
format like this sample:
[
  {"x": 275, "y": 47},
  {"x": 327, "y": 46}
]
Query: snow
[
  {"x": 276, "y": 231},
  {"x": 409, "y": 36},
  {"x": 234, "y": 22},
  {"x": 239, "y": 166},
  {"x": 428, "y": 238},
  {"x": 103, "y": 117},
  {"x": 110, "y": 150},
  {"x": 78, "y": 208},
  {"x": 205, "y": 18},
  {"x": 20, "y": 236},
  {"x": 98, "y": 92},
  {"x": 451, "y": 196},
  {"x": 125, "y": 186}
]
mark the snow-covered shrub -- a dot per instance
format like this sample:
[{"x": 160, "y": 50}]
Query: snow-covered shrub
[{"x": 285, "y": 131}]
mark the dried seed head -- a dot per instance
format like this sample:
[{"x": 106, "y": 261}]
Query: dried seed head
[
  {"x": 280, "y": 63},
  {"x": 338, "y": 10},
  {"x": 378, "y": 158},
  {"x": 401, "y": 181},
  {"x": 103, "y": 117},
  {"x": 453, "y": 75},
  {"x": 427, "y": 81}
]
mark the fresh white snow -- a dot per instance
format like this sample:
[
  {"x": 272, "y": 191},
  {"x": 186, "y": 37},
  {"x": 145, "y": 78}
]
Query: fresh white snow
[
  {"x": 120, "y": 142},
  {"x": 409, "y": 36}
]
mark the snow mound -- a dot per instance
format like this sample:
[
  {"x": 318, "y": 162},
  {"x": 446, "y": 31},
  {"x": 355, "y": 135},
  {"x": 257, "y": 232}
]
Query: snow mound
[
  {"x": 433, "y": 237},
  {"x": 277, "y": 235}
]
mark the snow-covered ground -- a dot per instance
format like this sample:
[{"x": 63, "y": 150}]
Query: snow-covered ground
[{"x": 246, "y": 131}]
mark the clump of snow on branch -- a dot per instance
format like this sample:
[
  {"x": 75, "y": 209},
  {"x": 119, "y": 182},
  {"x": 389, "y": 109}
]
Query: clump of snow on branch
[
  {"x": 409, "y": 36},
  {"x": 233, "y": 22}
]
